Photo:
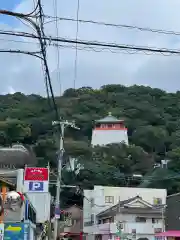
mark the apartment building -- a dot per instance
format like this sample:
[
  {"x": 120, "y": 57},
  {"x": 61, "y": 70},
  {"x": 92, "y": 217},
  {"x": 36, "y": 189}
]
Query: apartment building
[
  {"x": 129, "y": 219},
  {"x": 102, "y": 198}
]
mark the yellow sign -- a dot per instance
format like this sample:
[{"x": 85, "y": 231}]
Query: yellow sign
[{"x": 13, "y": 229}]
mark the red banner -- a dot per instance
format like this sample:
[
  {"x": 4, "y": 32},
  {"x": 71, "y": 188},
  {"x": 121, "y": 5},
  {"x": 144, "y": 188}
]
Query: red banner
[{"x": 36, "y": 174}]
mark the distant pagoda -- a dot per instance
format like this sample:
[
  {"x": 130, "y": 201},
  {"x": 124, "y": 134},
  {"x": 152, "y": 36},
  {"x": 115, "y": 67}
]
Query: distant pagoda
[{"x": 109, "y": 130}]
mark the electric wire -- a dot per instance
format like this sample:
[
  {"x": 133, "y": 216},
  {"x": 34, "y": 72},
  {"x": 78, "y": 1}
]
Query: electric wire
[
  {"x": 118, "y": 51},
  {"x": 55, "y": 5},
  {"x": 87, "y": 48},
  {"x": 107, "y": 45},
  {"x": 76, "y": 47},
  {"x": 42, "y": 41},
  {"x": 147, "y": 29}
]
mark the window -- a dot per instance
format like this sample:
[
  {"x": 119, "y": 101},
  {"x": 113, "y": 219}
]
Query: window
[
  {"x": 157, "y": 230},
  {"x": 140, "y": 219},
  {"x": 108, "y": 220},
  {"x": 154, "y": 220},
  {"x": 109, "y": 199},
  {"x": 92, "y": 218},
  {"x": 157, "y": 201},
  {"x": 99, "y": 221}
]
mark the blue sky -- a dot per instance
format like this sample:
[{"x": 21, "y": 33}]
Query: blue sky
[{"x": 8, "y": 5}]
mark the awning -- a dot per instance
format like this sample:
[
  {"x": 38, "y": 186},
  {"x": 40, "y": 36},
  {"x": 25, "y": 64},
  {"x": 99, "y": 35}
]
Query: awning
[
  {"x": 63, "y": 234},
  {"x": 168, "y": 234}
]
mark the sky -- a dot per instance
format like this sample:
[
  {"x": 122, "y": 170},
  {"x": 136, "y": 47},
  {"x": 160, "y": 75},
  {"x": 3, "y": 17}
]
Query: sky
[{"x": 24, "y": 73}]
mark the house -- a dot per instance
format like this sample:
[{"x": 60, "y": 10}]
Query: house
[
  {"x": 103, "y": 197},
  {"x": 72, "y": 225},
  {"x": 131, "y": 218}
]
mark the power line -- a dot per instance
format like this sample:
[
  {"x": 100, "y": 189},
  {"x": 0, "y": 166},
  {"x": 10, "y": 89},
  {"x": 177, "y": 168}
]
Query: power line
[
  {"x": 76, "y": 52},
  {"x": 40, "y": 36},
  {"x": 55, "y": 5},
  {"x": 100, "y": 50},
  {"x": 35, "y": 54},
  {"x": 88, "y": 48},
  {"x": 101, "y": 23},
  {"x": 95, "y": 43},
  {"x": 42, "y": 41}
]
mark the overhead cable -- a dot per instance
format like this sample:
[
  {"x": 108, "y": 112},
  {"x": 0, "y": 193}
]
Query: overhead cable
[
  {"x": 94, "y": 43},
  {"x": 101, "y": 23},
  {"x": 76, "y": 47},
  {"x": 55, "y": 5}
]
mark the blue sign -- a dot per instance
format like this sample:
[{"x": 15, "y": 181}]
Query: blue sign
[
  {"x": 36, "y": 186},
  {"x": 57, "y": 212},
  {"x": 16, "y": 231}
]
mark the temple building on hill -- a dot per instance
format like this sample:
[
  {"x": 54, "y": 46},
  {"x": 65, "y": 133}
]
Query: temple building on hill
[{"x": 109, "y": 130}]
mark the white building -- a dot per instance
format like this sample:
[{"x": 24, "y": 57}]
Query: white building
[
  {"x": 109, "y": 130},
  {"x": 101, "y": 198},
  {"x": 129, "y": 219}
]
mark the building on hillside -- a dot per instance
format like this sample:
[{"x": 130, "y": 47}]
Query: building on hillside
[
  {"x": 109, "y": 130},
  {"x": 72, "y": 224},
  {"x": 102, "y": 197},
  {"x": 16, "y": 157},
  {"x": 173, "y": 212},
  {"x": 133, "y": 218}
]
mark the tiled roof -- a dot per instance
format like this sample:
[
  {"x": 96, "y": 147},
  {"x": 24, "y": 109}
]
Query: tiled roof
[
  {"x": 109, "y": 118},
  {"x": 123, "y": 203}
]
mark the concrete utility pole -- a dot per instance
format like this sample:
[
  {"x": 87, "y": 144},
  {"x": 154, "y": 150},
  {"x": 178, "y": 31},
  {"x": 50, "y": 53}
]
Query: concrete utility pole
[{"x": 63, "y": 125}]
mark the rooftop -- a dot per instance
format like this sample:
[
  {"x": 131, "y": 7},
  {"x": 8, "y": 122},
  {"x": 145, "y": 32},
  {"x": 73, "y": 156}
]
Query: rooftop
[
  {"x": 129, "y": 204},
  {"x": 17, "y": 155},
  {"x": 109, "y": 119}
]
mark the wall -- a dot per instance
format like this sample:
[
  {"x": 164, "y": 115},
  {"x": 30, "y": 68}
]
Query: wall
[
  {"x": 173, "y": 212},
  {"x": 141, "y": 228},
  {"x": 104, "y": 137},
  {"x": 87, "y": 208},
  {"x": 129, "y": 223},
  {"x": 41, "y": 203}
]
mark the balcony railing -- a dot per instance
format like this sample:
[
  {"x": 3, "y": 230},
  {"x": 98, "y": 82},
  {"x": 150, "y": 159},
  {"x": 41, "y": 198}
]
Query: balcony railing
[
  {"x": 128, "y": 228},
  {"x": 98, "y": 229}
]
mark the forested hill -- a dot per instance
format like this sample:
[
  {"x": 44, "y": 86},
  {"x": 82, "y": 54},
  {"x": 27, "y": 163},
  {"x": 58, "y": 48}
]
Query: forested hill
[{"x": 151, "y": 115}]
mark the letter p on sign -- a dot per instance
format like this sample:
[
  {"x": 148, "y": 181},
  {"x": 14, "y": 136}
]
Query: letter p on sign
[{"x": 36, "y": 186}]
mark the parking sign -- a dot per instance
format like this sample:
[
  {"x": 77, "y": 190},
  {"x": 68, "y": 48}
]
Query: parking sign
[
  {"x": 36, "y": 186},
  {"x": 36, "y": 179}
]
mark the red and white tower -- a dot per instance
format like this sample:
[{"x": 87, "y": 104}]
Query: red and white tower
[{"x": 109, "y": 130}]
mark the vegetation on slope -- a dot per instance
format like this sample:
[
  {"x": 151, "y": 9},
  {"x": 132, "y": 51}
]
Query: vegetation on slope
[{"x": 151, "y": 115}]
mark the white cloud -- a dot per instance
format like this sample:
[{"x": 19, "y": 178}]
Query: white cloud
[{"x": 24, "y": 73}]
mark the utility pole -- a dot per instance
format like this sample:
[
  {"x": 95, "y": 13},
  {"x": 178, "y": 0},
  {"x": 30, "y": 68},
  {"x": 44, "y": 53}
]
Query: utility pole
[{"x": 63, "y": 125}]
